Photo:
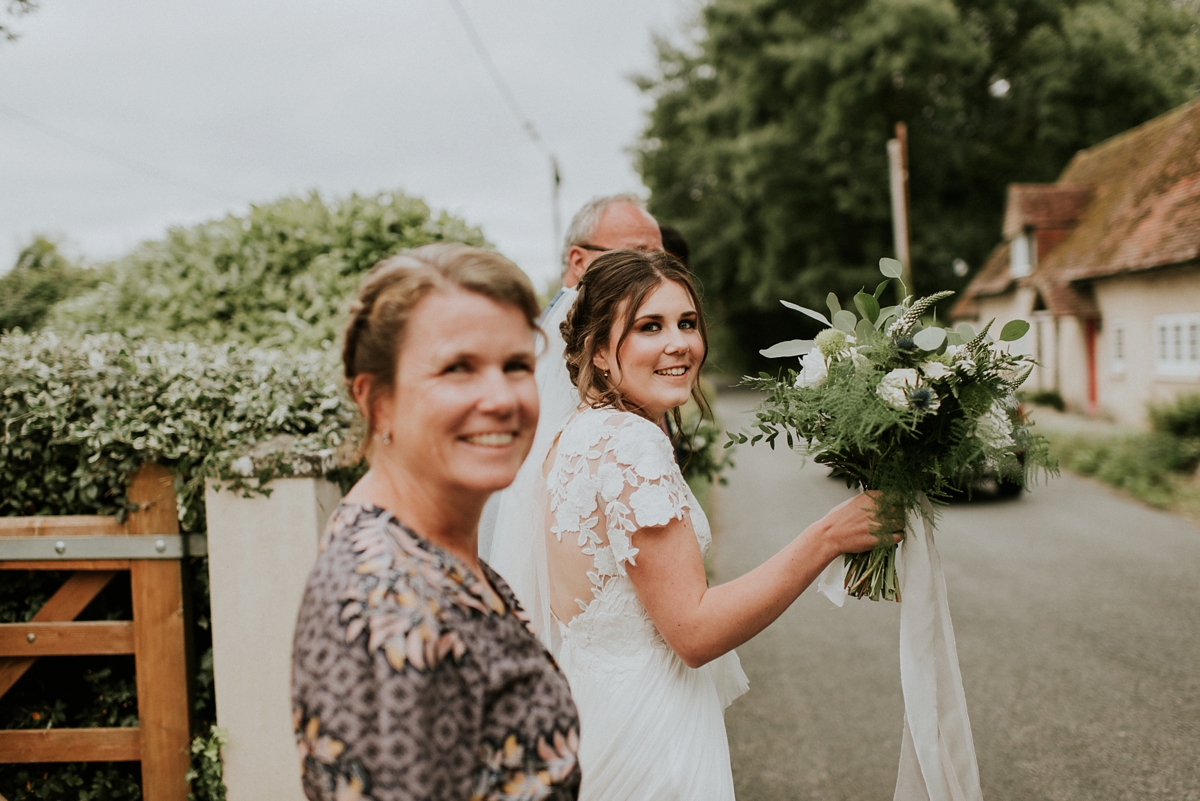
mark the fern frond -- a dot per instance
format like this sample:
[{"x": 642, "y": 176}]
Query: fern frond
[
  {"x": 980, "y": 338},
  {"x": 906, "y": 321}
]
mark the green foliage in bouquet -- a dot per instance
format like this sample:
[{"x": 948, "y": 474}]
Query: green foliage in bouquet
[
  {"x": 902, "y": 408},
  {"x": 282, "y": 275}
]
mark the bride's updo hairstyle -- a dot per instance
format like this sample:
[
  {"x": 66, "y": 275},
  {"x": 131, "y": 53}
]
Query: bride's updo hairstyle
[
  {"x": 610, "y": 293},
  {"x": 387, "y": 297}
]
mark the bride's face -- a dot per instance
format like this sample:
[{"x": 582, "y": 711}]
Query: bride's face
[{"x": 657, "y": 364}]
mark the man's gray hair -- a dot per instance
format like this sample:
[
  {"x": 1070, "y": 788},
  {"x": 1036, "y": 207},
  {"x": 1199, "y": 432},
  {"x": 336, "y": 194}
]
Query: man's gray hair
[{"x": 585, "y": 222}]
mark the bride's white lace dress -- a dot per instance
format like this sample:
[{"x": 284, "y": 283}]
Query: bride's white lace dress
[{"x": 651, "y": 727}]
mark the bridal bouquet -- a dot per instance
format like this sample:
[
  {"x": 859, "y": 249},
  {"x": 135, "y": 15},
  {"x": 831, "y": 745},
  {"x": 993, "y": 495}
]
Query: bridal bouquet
[{"x": 900, "y": 405}]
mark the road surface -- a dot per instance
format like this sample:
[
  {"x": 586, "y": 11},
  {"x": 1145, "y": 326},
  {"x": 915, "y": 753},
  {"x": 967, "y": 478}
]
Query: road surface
[{"x": 1077, "y": 615}]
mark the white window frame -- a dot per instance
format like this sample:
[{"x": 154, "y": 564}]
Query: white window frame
[
  {"x": 1022, "y": 254},
  {"x": 1118, "y": 345},
  {"x": 1177, "y": 345}
]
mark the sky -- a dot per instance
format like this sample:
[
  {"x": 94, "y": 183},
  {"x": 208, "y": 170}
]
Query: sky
[{"x": 119, "y": 119}]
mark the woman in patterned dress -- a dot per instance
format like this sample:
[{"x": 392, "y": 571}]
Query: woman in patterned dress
[
  {"x": 646, "y": 644},
  {"x": 414, "y": 673}
]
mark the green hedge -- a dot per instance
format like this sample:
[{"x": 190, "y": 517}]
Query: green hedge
[{"x": 80, "y": 414}]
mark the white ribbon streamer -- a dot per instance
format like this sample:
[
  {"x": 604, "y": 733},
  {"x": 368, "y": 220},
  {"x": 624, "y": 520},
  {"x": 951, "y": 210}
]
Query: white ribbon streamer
[{"x": 937, "y": 755}]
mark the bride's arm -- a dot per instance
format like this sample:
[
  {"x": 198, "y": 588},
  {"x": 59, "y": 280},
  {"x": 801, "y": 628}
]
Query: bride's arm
[{"x": 700, "y": 622}]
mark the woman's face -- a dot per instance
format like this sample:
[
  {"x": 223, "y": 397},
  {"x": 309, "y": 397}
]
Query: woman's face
[
  {"x": 464, "y": 407},
  {"x": 660, "y": 356}
]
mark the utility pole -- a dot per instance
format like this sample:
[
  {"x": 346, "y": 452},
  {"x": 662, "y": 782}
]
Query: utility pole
[{"x": 897, "y": 150}]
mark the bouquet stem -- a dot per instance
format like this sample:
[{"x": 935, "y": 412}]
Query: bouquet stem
[{"x": 873, "y": 574}]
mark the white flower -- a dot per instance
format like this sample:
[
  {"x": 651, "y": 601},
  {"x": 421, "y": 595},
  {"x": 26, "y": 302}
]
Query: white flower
[
  {"x": 578, "y": 503},
  {"x": 994, "y": 428},
  {"x": 653, "y": 506},
  {"x": 894, "y": 387},
  {"x": 936, "y": 371},
  {"x": 813, "y": 369},
  {"x": 611, "y": 481},
  {"x": 243, "y": 466},
  {"x": 649, "y": 454}
]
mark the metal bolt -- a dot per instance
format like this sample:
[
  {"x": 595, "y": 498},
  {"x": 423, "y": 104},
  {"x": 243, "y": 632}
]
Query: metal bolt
[
  {"x": 30, "y": 637},
  {"x": 160, "y": 545},
  {"x": 60, "y": 547}
]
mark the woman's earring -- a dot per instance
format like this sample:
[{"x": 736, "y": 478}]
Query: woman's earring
[
  {"x": 386, "y": 437},
  {"x": 606, "y": 374}
]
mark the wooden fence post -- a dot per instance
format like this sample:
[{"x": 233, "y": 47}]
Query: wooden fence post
[{"x": 159, "y": 642}]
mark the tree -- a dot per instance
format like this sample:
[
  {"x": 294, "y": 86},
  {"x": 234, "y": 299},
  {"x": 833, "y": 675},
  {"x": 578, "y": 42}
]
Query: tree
[
  {"x": 281, "y": 275},
  {"x": 41, "y": 278},
  {"x": 766, "y": 142},
  {"x": 13, "y": 8}
]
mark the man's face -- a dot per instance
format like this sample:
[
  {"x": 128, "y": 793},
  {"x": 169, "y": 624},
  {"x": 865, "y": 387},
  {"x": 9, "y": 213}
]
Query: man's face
[{"x": 623, "y": 225}]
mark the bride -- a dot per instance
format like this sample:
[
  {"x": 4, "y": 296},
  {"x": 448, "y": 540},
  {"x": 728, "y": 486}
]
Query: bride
[{"x": 617, "y": 586}]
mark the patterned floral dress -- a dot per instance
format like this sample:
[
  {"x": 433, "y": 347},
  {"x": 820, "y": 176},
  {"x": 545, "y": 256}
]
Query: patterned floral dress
[{"x": 412, "y": 679}]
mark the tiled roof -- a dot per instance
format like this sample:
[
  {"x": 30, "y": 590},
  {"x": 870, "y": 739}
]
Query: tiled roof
[
  {"x": 1142, "y": 212},
  {"x": 1044, "y": 206}
]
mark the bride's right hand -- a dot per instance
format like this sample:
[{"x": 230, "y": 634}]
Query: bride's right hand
[{"x": 851, "y": 526}]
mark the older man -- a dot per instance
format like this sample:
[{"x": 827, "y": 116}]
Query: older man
[
  {"x": 510, "y": 533},
  {"x": 607, "y": 223}
]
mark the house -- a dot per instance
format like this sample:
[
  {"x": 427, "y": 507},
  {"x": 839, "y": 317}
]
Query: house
[{"x": 1105, "y": 265}]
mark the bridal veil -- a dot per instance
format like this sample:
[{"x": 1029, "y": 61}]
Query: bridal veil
[{"x": 512, "y": 530}]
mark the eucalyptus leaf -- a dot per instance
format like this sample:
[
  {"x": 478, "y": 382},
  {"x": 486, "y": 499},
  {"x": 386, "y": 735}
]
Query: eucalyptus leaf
[
  {"x": 966, "y": 331},
  {"x": 831, "y": 300},
  {"x": 845, "y": 321},
  {"x": 891, "y": 268},
  {"x": 792, "y": 347},
  {"x": 930, "y": 338},
  {"x": 879, "y": 289},
  {"x": 815, "y": 315},
  {"x": 886, "y": 314},
  {"x": 955, "y": 338},
  {"x": 864, "y": 331},
  {"x": 867, "y": 305},
  {"x": 1014, "y": 330}
]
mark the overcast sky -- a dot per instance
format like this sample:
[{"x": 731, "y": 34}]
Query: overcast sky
[{"x": 123, "y": 117}]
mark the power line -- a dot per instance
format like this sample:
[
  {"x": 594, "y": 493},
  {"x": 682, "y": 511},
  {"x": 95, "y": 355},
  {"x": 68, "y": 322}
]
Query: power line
[
  {"x": 134, "y": 165},
  {"x": 511, "y": 100}
]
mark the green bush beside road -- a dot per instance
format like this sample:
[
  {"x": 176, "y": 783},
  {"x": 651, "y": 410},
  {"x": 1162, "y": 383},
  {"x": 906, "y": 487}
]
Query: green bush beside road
[{"x": 1157, "y": 467}]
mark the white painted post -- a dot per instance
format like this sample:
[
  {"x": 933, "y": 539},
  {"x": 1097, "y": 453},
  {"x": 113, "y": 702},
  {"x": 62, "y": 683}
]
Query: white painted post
[{"x": 260, "y": 551}]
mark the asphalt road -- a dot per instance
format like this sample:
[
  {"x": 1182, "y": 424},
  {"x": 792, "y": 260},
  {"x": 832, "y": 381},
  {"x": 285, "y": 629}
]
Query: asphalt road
[{"x": 1077, "y": 616}]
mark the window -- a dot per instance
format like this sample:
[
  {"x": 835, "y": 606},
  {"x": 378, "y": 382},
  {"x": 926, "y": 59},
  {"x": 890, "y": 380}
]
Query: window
[
  {"x": 1021, "y": 254},
  {"x": 1177, "y": 345}
]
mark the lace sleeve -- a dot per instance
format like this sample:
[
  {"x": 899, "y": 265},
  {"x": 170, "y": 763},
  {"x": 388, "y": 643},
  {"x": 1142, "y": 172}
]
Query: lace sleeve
[{"x": 621, "y": 476}]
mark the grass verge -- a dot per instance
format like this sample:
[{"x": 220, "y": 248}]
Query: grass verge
[{"x": 1156, "y": 468}]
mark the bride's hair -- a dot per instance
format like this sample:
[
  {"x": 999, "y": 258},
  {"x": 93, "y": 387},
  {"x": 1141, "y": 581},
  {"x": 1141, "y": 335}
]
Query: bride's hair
[{"x": 613, "y": 289}]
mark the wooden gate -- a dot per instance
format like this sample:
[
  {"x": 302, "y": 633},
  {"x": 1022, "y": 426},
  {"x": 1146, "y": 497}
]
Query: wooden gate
[{"x": 149, "y": 546}]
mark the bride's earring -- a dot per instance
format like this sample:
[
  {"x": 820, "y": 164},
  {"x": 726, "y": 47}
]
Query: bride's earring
[{"x": 386, "y": 437}]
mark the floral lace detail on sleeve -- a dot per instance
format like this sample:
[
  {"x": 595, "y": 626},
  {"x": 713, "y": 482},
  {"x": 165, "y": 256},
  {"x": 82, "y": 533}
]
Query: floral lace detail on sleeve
[{"x": 618, "y": 467}]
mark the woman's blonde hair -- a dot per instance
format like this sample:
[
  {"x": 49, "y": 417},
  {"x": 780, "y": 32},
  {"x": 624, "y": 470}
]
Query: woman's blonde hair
[
  {"x": 387, "y": 297},
  {"x": 611, "y": 292}
]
